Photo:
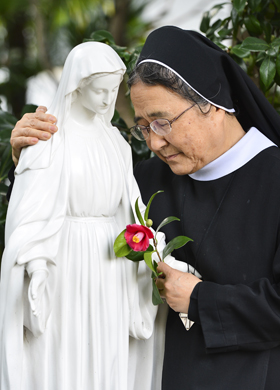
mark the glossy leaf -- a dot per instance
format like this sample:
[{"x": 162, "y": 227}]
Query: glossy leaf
[
  {"x": 139, "y": 216},
  {"x": 118, "y": 121},
  {"x": 121, "y": 248},
  {"x": 28, "y": 108},
  {"x": 205, "y": 22},
  {"x": 146, "y": 215},
  {"x": 235, "y": 20},
  {"x": 255, "y": 44},
  {"x": 276, "y": 43},
  {"x": 3, "y": 189},
  {"x": 278, "y": 64},
  {"x": 253, "y": 25},
  {"x": 176, "y": 243},
  {"x": 155, "y": 273},
  {"x": 165, "y": 222},
  {"x": 6, "y": 118},
  {"x": 239, "y": 5},
  {"x": 138, "y": 256},
  {"x": 267, "y": 30},
  {"x": 148, "y": 260},
  {"x": 156, "y": 299},
  {"x": 272, "y": 51},
  {"x": 225, "y": 33},
  {"x": 240, "y": 62},
  {"x": 214, "y": 27},
  {"x": 254, "y": 4},
  {"x": 261, "y": 56},
  {"x": 240, "y": 52},
  {"x": 267, "y": 71},
  {"x": 102, "y": 36},
  {"x": 217, "y": 8},
  {"x": 140, "y": 150},
  {"x": 6, "y": 161}
]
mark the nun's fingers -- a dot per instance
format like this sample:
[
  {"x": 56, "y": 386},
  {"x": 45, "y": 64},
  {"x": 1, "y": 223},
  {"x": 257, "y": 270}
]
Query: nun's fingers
[{"x": 31, "y": 128}]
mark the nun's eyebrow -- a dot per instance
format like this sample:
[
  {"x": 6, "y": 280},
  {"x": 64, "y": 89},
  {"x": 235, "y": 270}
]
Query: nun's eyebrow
[{"x": 157, "y": 114}]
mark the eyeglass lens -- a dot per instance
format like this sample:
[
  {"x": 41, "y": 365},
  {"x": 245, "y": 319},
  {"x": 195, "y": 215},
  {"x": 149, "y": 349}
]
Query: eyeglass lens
[{"x": 159, "y": 126}]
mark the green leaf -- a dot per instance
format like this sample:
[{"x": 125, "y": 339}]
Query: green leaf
[
  {"x": 28, "y": 108},
  {"x": 155, "y": 264},
  {"x": 272, "y": 51},
  {"x": 3, "y": 189},
  {"x": 138, "y": 256},
  {"x": 254, "y": 44},
  {"x": 121, "y": 248},
  {"x": 253, "y": 25},
  {"x": 139, "y": 216},
  {"x": 6, "y": 161},
  {"x": 239, "y": 5},
  {"x": 205, "y": 22},
  {"x": 253, "y": 4},
  {"x": 225, "y": 33},
  {"x": 176, "y": 243},
  {"x": 165, "y": 222},
  {"x": 102, "y": 36},
  {"x": 276, "y": 43},
  {"x": 235, "y": 21},
  {"x": 261, "y": 56},
  {"x": 140, "y": 150},
  {"x": 7, "y": 118},
  {"x": 267, "y": 28},
  {"x": 214, "y": 27},
  {"x": 278, "y": 64},
  {"x": 148, "y": 260},
  {"x": 267, "y": 71},
  {"x": 156, "y": 299},
  {"x": 146, "y": 215},
  {"x": 240, "y": 52},
  {"x": 118, "y": 121}
]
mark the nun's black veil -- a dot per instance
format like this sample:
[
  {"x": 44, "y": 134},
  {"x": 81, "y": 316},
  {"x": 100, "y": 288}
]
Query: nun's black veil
[{"x": 212, "y": 73}]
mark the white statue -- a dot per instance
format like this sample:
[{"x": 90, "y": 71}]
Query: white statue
[{"x": 67, "y": 304}]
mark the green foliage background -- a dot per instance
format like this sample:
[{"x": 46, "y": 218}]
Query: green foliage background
[{"x": 36, "y": 35}]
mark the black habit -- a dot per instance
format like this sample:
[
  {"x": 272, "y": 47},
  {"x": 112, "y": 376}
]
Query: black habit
[{"x": 234, "y": 223}]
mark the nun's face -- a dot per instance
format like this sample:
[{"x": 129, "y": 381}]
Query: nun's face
[
  {"x": 100, "y": 93},
  {"x": 195, "y": 140}
]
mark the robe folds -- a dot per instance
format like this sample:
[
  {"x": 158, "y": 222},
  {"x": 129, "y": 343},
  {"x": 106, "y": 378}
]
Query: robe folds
[{"x": 234, "y": 222}]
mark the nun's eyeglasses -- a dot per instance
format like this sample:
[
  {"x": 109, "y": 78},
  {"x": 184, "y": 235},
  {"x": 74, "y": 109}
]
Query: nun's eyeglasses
[{"x": 160, "y": 126}]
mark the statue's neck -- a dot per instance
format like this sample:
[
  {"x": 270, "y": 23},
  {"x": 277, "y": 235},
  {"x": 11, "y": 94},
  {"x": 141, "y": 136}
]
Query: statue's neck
[{"x": 80, "y": 114}]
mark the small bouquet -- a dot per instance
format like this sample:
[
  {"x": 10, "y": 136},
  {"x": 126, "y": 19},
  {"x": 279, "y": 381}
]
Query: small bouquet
[{"x": 134, "y": 243}]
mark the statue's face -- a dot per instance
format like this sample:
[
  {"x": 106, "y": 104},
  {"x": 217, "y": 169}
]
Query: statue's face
[{"x": 100, "y": 93}]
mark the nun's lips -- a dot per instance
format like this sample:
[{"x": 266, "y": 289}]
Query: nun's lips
[{"x": 171, "y": 156}]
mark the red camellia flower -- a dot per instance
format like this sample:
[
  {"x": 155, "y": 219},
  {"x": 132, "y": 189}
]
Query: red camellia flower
[{"x": 137, "y": 237}]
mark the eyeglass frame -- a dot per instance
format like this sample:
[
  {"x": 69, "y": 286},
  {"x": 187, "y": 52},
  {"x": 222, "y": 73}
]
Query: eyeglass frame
[{"x": 148, "y": 128}]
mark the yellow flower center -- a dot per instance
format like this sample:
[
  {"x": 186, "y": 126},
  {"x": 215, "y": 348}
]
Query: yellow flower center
[{"x": 138, "y": 237}]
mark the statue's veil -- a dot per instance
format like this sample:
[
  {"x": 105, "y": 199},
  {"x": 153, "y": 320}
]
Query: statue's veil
[{"x": 84, "y": 60}]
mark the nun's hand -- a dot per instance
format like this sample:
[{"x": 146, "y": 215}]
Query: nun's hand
[
  {"x": 176, "y": 287},
  {"x": 30, "y": 128},
  {"x": 36, "y": 289}
]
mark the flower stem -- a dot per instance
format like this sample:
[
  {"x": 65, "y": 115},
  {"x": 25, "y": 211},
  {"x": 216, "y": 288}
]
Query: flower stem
[{"x": 155, "y": 244}]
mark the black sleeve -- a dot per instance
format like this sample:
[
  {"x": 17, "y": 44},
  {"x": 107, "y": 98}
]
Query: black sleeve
[
  {"x": 193, "y": 312},
  {"x": 238, "y": 317}
]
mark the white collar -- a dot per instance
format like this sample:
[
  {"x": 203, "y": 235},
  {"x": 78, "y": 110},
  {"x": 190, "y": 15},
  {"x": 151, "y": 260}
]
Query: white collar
[{"x": 251, "y": 144}]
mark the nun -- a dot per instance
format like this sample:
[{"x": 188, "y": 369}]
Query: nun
[{"x": 215, "y": 138}]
